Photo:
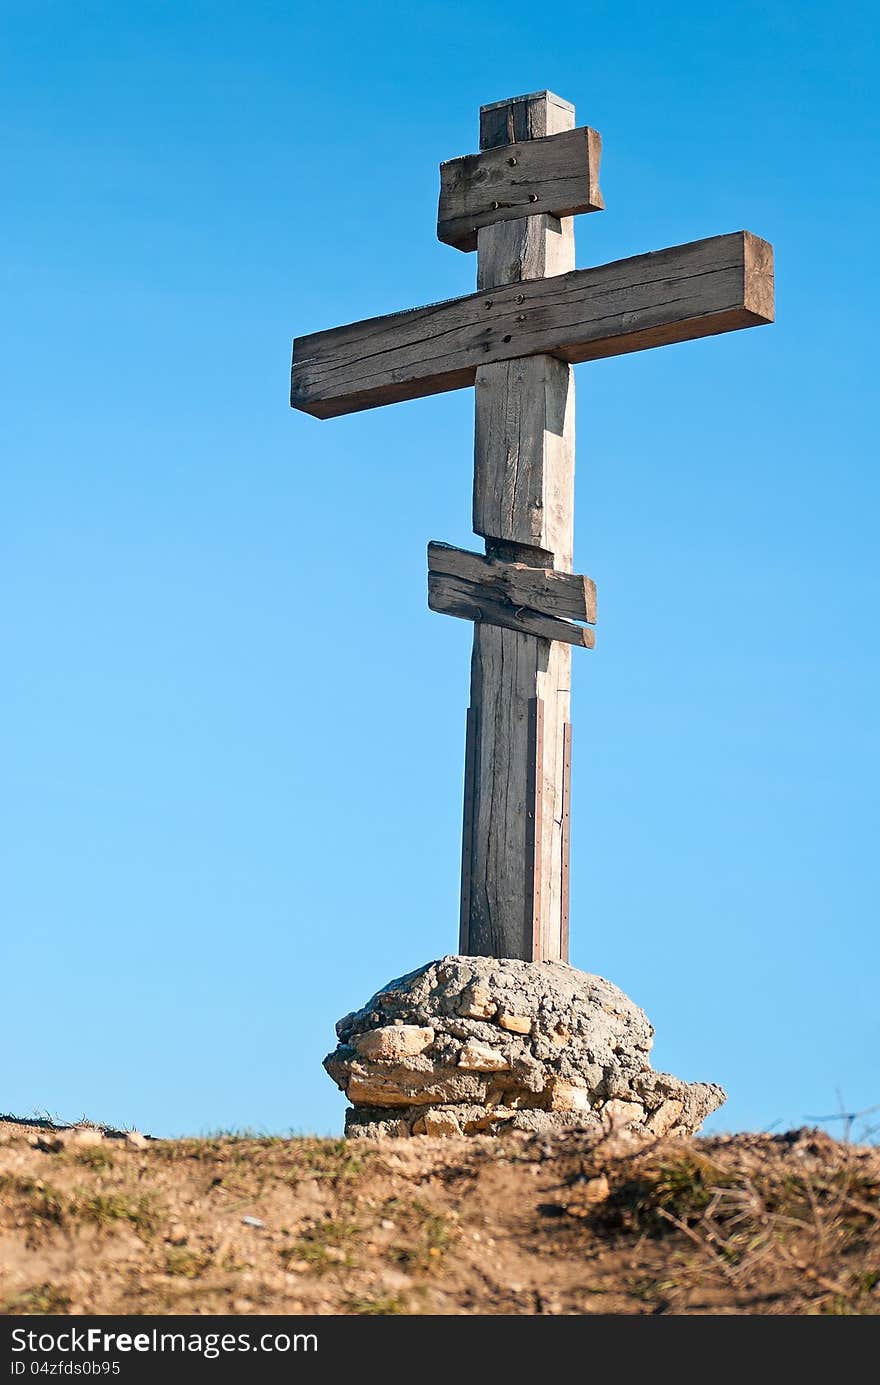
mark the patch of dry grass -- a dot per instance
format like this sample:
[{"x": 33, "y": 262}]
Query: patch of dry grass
[{"x": 521, "y": 1224}]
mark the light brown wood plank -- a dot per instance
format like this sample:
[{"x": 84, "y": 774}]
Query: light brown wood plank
[
  {"x": 508, "y": 671},
  {"x": 524, "y": 454},
  {"x": 467, "y": 830},
  {"x": 558, "y": 174},
  {"x": 530, "y": 248},
  {"x": 534, "y": 894},
  {"x": 505, "y": 674},
  {"x": 679, "y": 294},
  {"x": 511, "y": 251},
  {"x": 524, "y": 506},
  {"x": 565, "y": 595},
  {"x": 566, "y": 836},
  {"x": 470, "y": 601}
]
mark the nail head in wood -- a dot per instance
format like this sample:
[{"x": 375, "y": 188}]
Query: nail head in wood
[
  {"x": 561, "y": 171},
  {"x": 680, "y": 294}
]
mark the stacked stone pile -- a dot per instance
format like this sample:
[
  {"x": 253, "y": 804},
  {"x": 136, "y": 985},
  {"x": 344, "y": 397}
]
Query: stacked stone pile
[{"x": 477, "y": 1045}]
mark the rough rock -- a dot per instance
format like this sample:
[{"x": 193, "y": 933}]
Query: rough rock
[
  {"x": 371, "y": 1085},
  {"x": 565, "y": 1095},
  {"x": 479, "y": 1045},
  {"x": 362, "y": 1123},
  {"x": 476, "y": 1002},
  {"x": 618, "y": 1113},
  {"x": 541, "y": 1122},
  {"x": 595, "y": 1190},
  {"x": 393, "y": 1042},
  {"x": 478, "y": 1057},
  {"x": 661, "y": 1121},
  {"x": 437, "y": 1123},
  {"x": 516, "y": 1024}
]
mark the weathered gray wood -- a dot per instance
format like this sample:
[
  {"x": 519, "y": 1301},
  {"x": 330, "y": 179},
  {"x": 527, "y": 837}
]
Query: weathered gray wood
[
  {"x": 515, "y": 340},
  {"x": 523, "y": 505},
  {"x": 452, "y": 596},
  {"x": 530, "y": 249},
  {"x": 509, "y": 672},
  {"x": 512, "y": 251},
  {"x": 518, "y": 118},
  {"x": 566, "y": 835},
  {"x": 679, "y": 294},
  {"x": 534, "y": 898},
  {"x": 558, "y": 174},
  {"x": 524, "y": 455},
  {"x": 566, "y": 595},
  {"x": 524, "y": 438},
  {"x": 467, "y": 830}
]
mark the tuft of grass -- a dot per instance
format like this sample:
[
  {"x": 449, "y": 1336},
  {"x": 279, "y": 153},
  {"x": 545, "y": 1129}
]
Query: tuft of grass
[
  {"x": 433, "y": 1234},
  {"x": 650, "y": 1288},
  {"x": 189, "y": 1264},
  {"x": 324, "y": 1246},
  {"x": 851, "y": 1197},
  {"x": 46, "y": 1205},
  {"x": 376, "y": 1307},
  {"x": 681, "y": 1188},
  {"x": 291, "y": 1160},
  {"x": 43, "y": 1203},
  {"x": 104, "y": 1209},
  {"x": 175, "y": 1151},
  {"x": 241, "y": 1132},
  {"x": 858, "y": 1298},
  {"x": 40, "y": 1300},
  {"x": 338, "y": 1161},
  {"x": 96, "y": 1157}
]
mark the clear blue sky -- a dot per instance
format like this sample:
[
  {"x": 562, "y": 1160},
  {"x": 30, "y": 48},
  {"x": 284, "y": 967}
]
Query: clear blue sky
[{"x": 232, "y": 733}]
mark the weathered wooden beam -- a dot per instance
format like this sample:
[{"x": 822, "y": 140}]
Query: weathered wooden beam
[
  {"x": 524, "y": 454},
  {"x": 679, "y": 294},
  {"x": 558, "y": 174},
  {"x": 513, "y": 881},
  {"x": 518, "y": 118},
  {"x": 565, "y": 595},
  {"x": 509, "y": 251},
  {"x": 452, "y": 596}
]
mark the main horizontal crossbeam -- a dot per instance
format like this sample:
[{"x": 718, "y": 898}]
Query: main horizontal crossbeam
[{"x": 685, "y": 292}]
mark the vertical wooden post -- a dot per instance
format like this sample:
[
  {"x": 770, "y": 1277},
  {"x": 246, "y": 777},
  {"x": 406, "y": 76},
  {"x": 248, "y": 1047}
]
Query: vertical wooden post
[{"x": 515, "y": 838}]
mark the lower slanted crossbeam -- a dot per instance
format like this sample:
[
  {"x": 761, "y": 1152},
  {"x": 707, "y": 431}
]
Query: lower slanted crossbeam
[{"x": 532, "y": 601}]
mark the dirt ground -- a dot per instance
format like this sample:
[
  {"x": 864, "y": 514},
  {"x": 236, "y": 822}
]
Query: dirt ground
[{"x": 525, "y": 1224}]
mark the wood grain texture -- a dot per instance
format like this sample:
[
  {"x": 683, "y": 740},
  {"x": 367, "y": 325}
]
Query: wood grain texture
[
  {"x": 534, "y": 895},
  {"x": 508, "y": 672},
  {"x": 509, "y": 252},
  {"x": 565, "y": 595},
  {"x": 558, "y": 174},
  {"x": 452, "y": 596},
  {"x": 524, "y": 506},
  {"x": 467, "y": 831},
  {"x": 533, "y": 248},
  {"x": 679, "y": 294},
  {"x": 554, "y": 687},
  {"x": 518, "y": 118},
  {"x": 524, "y": 454},
  {"x": 566, "y": 836}
]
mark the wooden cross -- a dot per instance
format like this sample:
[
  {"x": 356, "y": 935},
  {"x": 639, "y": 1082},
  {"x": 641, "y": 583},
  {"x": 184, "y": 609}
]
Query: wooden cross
[{"x": 515, "y": 340}]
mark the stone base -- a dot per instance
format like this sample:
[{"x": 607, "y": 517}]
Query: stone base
[{"x": 480, "y": 1045}]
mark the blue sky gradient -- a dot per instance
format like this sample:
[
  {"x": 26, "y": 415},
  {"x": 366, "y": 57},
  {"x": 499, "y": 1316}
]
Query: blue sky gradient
[{"x": 232, "y": 733}]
